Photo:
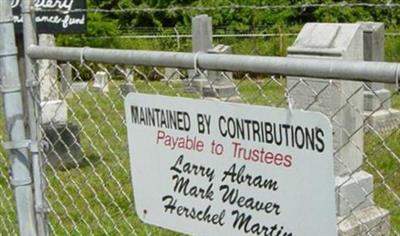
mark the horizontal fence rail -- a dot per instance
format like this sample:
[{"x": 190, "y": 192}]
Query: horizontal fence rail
[
  {"x": 88, "y": 177},
  {"x": 383, "y": 72}
]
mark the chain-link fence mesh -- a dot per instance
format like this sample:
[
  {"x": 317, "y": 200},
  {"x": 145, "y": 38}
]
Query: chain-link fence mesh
[
  {"x": 86, "y": 163},
  {"x": 7, "y": 205},
  {"x": 85, "y": 155}
]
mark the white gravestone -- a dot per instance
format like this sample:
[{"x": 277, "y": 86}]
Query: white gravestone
[
  {"x": 48, "y": 71},
  {"x": 378, "y": 112},
  {"x": 53, "y": 109},
  {"x": 342, "y": 101},
  {"x": 101, "y": 81}
]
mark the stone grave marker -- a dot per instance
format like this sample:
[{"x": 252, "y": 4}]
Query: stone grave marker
[
  {"x": 53, "y": 108},
  {"x": 101, "y": 81},
  {"x": 68, "y": 86},
  {"x": 48, "y": 72},
  {"x": 79, "y": 86},
  {"x": 62, "y": 136},
  {"x": 343, "y": 102},
  {"x": 201, "y": 42},
  {"x": 127, "y": 86}
]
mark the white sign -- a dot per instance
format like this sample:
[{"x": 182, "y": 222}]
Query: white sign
[{"x": 212, "y": 168}]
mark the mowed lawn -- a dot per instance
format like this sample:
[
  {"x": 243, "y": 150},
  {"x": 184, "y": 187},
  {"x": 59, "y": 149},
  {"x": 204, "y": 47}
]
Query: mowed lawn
[{"x": 97, "y": 197}]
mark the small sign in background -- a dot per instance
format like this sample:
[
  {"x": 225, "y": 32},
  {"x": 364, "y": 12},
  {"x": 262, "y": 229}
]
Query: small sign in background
[{"x": 54, "y": 16}]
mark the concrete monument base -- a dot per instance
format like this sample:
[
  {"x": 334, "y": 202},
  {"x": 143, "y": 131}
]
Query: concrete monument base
[
  {"x": 373, "y": 221},
  {"x": 224, "y": 92},
  {"x": 382, "y": 121},
  {"x": 353, "y": 192},
  {"x": 79, "y": 87},
  {"x": 196, "y": 84},
  {"x": 54, "y": 111},
  {"x": 379, "y": 99}
]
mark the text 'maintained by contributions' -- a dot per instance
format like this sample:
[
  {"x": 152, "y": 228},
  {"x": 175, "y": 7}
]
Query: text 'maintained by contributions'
[{"x": 220, "y": 170}]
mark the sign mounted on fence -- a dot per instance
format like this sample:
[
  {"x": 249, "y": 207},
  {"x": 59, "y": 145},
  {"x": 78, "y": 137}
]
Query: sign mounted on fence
[
  {"x": 212, "y": 168},
  {"x": 54, "y": 16}
]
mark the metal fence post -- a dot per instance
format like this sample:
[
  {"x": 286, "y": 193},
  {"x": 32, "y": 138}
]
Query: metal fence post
[
  {"x": 34, "y": 116},
  {"x": 13, "y": 110}
]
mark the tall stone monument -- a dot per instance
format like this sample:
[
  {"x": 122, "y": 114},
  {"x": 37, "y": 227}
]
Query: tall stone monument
[
  {"x": 201, "y": 43},
  {"x": 343, "y": 103}
]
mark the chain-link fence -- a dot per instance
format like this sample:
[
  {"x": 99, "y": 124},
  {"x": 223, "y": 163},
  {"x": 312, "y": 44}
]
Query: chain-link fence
[
  {"x": 87, "y": 185},
  {"x": 86, "y": 167},
  {"x": 85, "y": 155},
  {"x": 7, "y": 203}
]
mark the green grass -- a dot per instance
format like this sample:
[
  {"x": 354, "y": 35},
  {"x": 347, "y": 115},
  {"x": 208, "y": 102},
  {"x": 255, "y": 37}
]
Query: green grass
[
  {"x": 382, "y": 163},
  {"x": 97, "y": 197}
]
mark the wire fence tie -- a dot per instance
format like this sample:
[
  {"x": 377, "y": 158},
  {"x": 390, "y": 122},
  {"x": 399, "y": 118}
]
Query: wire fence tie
[{"x": 82, "y": 56}]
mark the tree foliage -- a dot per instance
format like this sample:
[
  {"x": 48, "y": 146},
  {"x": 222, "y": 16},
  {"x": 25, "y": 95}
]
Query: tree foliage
[{"x": 231, "y": 19}]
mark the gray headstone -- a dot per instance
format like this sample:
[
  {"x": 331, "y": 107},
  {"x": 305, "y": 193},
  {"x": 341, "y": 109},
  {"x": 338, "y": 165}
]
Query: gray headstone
[
  {"x": 374, "y": 45},
  {"x": 378, "y": 112},
  {"x": 201, "y": 33},
  {"x": 201, "y": 42},
  {"x": 64, "y": 149},
  {"x": 127, "y": 86}
]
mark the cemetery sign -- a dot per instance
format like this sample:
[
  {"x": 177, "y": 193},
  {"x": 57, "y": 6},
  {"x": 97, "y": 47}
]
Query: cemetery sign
[
  {"x": 54, "y": 16},
  {"x": 211, "y": 168}
]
